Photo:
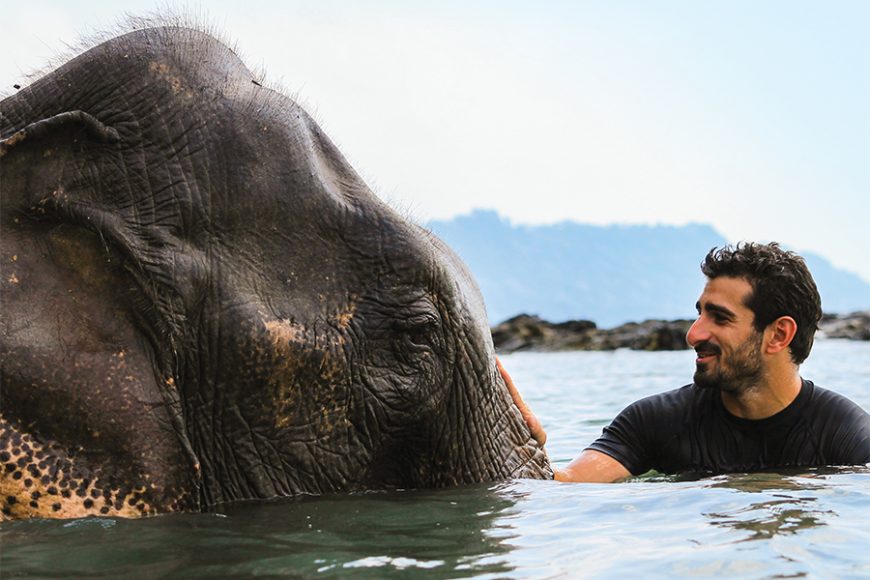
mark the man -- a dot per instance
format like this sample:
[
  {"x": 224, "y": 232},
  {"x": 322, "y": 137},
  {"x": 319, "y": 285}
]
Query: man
[{"x": 748, "y": 408}]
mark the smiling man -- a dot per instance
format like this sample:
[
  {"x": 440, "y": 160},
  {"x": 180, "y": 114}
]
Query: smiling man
[{"x": 747, "y": 409}]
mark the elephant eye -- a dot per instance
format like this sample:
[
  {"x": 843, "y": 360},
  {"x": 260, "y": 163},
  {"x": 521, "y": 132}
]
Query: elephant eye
[{"x": 420, "y": 330}]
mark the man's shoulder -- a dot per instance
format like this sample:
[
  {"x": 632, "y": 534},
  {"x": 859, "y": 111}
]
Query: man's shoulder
[
  {"x": 675, "y": 401},
  {"x": 681, "y": 395},
  {"x": 828, "y": 402},
  {"x": 822, "y": 397},
  {"x": 842, "y": 426}
]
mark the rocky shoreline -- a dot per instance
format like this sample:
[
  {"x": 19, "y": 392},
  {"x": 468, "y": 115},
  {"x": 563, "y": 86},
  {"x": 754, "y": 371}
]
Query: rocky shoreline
[
  {"x": 530, "y": 333},
  {"x": 855, "y": 326}
]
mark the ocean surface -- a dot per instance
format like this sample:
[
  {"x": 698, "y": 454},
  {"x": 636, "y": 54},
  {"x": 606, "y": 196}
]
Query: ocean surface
[{"x": 812, "y": 523}]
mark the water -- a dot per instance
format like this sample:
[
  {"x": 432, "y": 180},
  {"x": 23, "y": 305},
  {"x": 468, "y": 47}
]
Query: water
[{"x": 811, "y": 523}]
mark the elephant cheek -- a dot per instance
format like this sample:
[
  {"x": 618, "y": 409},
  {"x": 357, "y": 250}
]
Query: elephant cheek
[{"x": 307, "y": 377}]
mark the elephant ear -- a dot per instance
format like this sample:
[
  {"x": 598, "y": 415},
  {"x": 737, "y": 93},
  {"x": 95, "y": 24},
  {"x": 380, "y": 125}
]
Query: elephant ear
[
  {"x": 48, "y": 159},
  {"x": 90, "y": 419},
  {"x": 77, "y": 121},
  {"x": 71, "y": 168}
]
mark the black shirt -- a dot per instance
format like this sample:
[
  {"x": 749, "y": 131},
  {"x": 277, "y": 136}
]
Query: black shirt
[{"x": 689, "y": 429}]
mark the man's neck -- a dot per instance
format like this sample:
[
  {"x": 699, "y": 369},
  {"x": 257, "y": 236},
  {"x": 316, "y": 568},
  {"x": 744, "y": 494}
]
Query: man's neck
[{"x": 769, "y": 397}]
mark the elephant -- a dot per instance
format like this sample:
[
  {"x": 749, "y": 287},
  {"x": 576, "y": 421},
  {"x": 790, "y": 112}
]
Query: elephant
[{"x": 204, "y": 304}]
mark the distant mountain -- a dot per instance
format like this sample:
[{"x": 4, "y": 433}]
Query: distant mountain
[{"x": 607, "y": 274}]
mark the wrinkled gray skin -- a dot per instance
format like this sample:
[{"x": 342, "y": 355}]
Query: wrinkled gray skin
[{"x": 203, "y": 303}]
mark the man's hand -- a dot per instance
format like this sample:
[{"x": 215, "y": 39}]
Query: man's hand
[
  {"x": 535, "y": 427},
  {"x": 590, "y": 466}
]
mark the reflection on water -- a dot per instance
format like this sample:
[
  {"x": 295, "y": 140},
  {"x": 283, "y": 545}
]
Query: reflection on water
[
  {"x": 766, "y": 519},
  {"x": 788, "y": 506},
  {"x": 369, "y": 535},
  {"x": 423, "y": 531},
  {"x": 791, "y": 503}
]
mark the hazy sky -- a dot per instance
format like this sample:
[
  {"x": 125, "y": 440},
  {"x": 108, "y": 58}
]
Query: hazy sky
[{"x": 751, "y": 116}]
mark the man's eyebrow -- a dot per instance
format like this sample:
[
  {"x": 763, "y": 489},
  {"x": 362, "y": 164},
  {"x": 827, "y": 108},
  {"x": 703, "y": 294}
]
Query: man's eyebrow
[{"x": 712, "y": 307}]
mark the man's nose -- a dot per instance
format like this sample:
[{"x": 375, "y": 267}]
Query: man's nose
[{"x": 697, "y": 332}]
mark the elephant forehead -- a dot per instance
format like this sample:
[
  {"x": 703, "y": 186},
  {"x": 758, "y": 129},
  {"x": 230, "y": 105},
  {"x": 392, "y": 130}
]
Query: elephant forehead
[
  {"x": 293, "y": 344},
  {"x": 283, "y": 332},
  {"x": 289, "y": 339}
]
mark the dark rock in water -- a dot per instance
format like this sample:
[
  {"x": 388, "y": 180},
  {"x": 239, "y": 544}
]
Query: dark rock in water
[
  {"x": 855, "y": 326},
  {"x": 526, "y": 332},
  {"x": 648, "y": 335}
]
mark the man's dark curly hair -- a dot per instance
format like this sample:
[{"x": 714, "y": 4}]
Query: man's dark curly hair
[{"x": 781, "y": 286}]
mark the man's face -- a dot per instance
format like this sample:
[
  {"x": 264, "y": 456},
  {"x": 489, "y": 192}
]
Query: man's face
[{"x": 728, "y": 346}]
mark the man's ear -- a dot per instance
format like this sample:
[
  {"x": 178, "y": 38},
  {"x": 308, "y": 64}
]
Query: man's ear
[{"x": 780, "y": 333}]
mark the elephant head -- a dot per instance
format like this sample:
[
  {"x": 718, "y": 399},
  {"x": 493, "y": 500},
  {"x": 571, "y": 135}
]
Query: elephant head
[{"x": 203, "y": 303}]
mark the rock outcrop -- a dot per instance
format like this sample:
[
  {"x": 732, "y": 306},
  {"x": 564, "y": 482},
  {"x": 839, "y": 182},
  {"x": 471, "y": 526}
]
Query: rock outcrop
[
  {"x": 526, "y": 332},
  {"x": 855, "y": 326}
]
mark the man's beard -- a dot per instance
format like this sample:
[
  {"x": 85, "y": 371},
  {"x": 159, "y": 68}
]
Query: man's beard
[{"x": 742, "y": 371}]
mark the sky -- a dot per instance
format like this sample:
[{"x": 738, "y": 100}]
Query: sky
[{"x": 751, "y": 116}]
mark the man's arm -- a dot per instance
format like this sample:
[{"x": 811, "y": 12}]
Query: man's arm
[
  {"x": 589, "y": 467},
  {"x": 592, "y": 467}
]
